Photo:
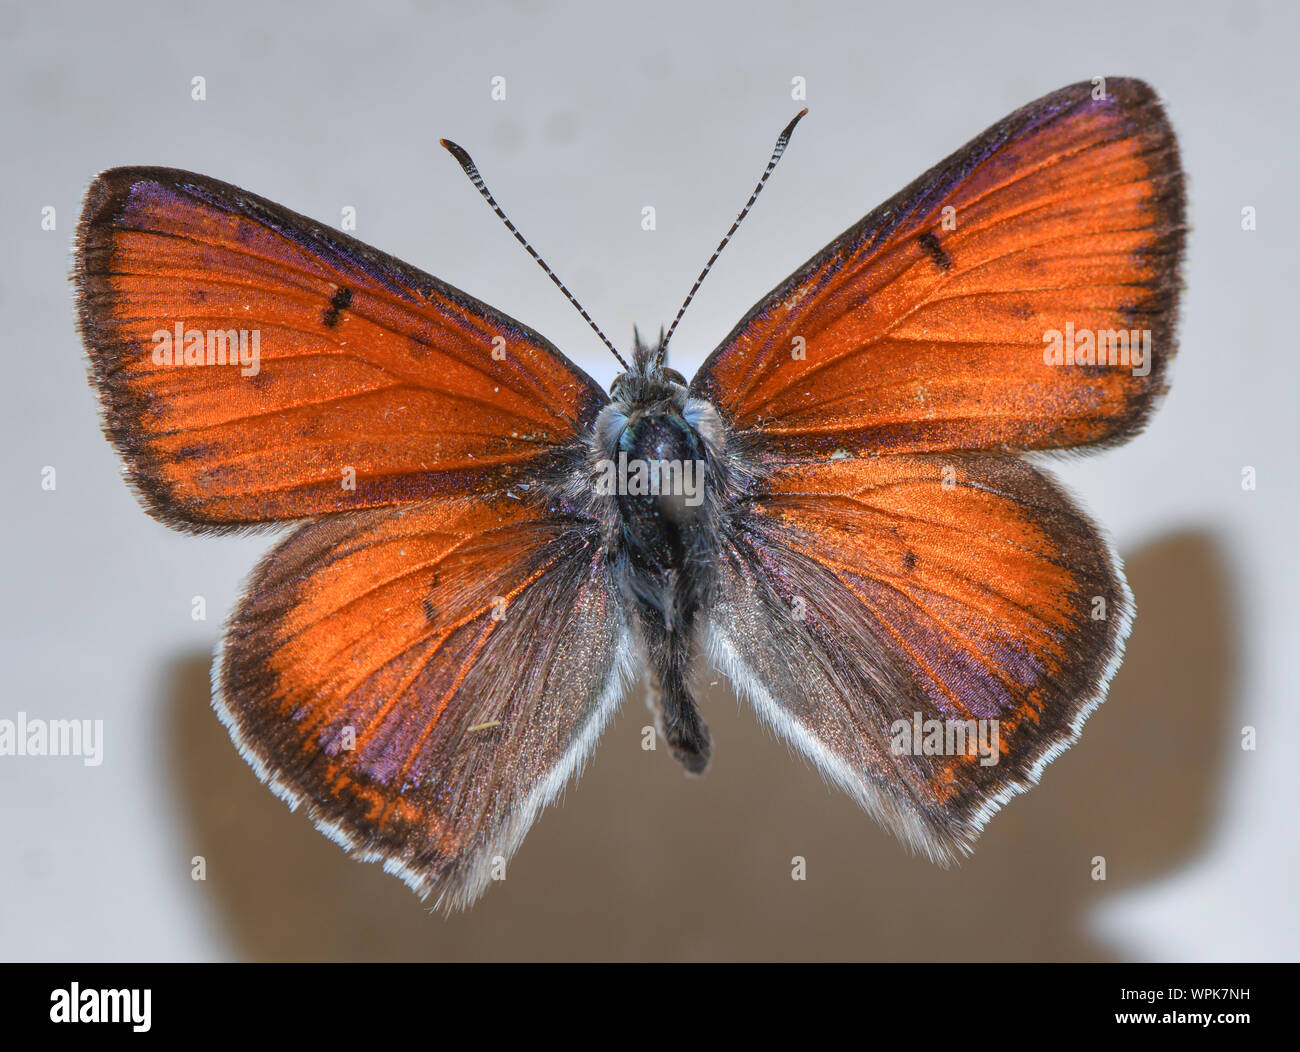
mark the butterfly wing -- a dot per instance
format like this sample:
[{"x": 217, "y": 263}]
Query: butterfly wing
[
  {"x": 426, "y": 678},
  {"x": 925, "y": 326},
  {"x": 862, "y": 598},
  {"x": 372, "y": 383},
  {"x": 425, "y": 672},
  {"x": 897, "y": 567}
]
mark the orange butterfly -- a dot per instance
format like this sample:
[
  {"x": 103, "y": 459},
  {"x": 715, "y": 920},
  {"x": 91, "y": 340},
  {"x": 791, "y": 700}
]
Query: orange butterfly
[{"x": 835, "y": 509}]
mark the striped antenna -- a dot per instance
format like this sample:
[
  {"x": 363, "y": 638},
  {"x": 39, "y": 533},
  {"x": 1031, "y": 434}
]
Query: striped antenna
[
  {"x": 782, "y": 141},
  {"x": 464, "y": 160}
]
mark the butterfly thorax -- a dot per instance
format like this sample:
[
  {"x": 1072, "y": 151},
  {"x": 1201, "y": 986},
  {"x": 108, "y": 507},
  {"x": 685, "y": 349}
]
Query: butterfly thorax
[{"x": 659, "y": 477}]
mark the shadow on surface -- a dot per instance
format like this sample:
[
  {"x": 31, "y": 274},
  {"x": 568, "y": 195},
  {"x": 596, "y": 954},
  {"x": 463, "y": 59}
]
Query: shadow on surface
[{"x": 640, "y": 863}]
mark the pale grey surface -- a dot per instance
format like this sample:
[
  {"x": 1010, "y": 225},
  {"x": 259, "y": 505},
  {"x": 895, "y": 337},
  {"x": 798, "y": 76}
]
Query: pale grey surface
[{"x": 672, "y": 105}]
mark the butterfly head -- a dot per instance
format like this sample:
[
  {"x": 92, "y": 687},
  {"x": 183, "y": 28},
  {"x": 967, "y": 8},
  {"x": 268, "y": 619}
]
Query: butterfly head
[
  {"x": 652, "y": 416},
  {"x": 648, "y": 381}
]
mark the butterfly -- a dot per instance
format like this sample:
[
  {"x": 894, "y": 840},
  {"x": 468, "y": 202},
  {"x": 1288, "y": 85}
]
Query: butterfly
[{"x": 839, "y": 511}]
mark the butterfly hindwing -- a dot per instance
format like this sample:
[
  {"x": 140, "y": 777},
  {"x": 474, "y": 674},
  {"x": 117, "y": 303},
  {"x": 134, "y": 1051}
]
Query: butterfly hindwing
[
  {"x": 925, "y": 326},
  {"x": 863, "y": 599},
  {"x": 426, "y": 678},
  {"x": 372, "y": 383}
]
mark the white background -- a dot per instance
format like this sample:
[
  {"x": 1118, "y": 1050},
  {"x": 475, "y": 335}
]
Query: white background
[{"x": 610, "y": 108}]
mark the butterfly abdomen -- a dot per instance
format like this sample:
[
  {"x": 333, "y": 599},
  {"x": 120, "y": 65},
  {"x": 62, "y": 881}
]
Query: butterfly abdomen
[{"x": 659, "y": 471}]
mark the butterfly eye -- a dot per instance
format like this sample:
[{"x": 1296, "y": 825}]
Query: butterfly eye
[{"x": 673, "y": 376}]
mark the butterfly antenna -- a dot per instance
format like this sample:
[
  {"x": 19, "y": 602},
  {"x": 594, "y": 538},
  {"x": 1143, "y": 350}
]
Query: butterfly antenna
[
  {"x": 467, "y": 163},
  {"x": 782, "y": 141}
]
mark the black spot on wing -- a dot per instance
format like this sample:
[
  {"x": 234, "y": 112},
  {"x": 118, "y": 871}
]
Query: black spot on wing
[
  {"x": 935, "y": 251},
  {"x": 338, "y": 303}
]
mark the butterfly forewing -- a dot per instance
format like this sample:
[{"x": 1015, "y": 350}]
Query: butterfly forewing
[
  {"x": 927, "y": 325},
  {"x": 372, "y": 383}
]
